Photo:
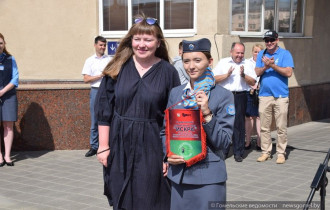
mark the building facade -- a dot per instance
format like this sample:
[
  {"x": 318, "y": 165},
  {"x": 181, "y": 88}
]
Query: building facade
[{"x": 51, "y": 40}]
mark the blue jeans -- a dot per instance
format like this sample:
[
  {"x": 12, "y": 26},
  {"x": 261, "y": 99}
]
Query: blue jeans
[{"x": 94, "y": 136}]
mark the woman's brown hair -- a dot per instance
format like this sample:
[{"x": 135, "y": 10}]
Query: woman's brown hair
[
  {"x": 125, "y": 51},
  {"x": 4, "y": 50}
]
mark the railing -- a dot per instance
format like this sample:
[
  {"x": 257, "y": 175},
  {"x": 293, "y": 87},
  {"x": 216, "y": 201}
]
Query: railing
[{"x": 320, "y": 182}]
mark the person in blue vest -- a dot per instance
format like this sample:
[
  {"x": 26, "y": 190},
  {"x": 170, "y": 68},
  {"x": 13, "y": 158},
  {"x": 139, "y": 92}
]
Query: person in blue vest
[
  {"x": 274, "y": 65},
  {"x": 8, "y": 99},
  {"x": 193, "y": 187}
]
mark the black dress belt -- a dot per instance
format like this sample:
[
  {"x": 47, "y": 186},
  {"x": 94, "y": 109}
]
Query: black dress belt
[{"x": 238, "y": 92}]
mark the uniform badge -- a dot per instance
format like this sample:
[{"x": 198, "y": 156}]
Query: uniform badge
[
  {"x": 230, "y": 109},
  {"x": 191, "y": 47}
]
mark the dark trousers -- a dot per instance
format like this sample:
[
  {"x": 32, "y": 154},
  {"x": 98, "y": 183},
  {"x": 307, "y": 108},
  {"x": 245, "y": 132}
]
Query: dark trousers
[{"x": 238, "y": 138}]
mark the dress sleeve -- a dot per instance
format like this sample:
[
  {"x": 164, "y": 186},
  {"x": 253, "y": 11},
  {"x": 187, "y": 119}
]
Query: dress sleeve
[
  {"x": 105, "y": 101},
  {"x": 162, "y": 131},
  {"x": 175, "y": 79}
]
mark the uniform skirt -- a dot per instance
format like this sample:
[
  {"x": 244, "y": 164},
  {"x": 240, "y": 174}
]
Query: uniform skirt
[
  {"x": 8, "y": 108},
  {"x": 198, "y": 197}
]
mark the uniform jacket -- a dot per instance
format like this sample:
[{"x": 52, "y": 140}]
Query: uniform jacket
[{"x": 218, "y": 131}]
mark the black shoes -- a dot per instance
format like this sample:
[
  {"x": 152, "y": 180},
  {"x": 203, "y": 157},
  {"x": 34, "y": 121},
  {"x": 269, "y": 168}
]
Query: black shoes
[
  {"x": 6, "y": 163},
  {"x": 238, "y": 158},
  {"x": 91, "y": 152},
  {"x": 9, "y": 163},
  {"x": 247, "y": 147}
]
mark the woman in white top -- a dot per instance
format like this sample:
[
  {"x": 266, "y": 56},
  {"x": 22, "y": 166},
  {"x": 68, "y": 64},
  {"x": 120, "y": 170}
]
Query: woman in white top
[{"x": 252, "y": 113}]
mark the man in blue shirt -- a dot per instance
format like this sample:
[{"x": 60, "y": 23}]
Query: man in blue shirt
[{"x": 274, "y": 65}]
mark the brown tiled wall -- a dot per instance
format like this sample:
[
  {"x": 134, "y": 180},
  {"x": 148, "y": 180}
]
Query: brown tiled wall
[
  {"x": 52, "y": 119},
  {"x": 309, "y": 103},
  {"x": 59, "y": 118}
]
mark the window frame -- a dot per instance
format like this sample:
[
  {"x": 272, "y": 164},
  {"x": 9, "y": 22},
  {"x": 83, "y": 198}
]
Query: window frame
[
  {"x": 167, "y": 32},
  {"x": 246, "y": 33}
]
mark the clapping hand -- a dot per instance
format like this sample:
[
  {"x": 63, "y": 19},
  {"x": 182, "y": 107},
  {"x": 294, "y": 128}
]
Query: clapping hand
[
  {"x": 268, "y": 61},
  {"x": 230, "y": 71},
  {"x": 242, "y": 71}
]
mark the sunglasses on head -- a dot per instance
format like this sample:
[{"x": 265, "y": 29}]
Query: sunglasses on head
[
  {"x": 149, "y": 20},
  {"x": 270, "y": 40}
]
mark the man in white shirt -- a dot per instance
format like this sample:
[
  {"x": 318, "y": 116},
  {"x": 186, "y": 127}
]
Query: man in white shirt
[
  {"x": 92, "y": 73},
  {"x": 236, "y": 74}
]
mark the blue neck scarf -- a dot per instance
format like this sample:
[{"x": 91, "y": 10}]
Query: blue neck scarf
[{"x": 204, "y": 83}]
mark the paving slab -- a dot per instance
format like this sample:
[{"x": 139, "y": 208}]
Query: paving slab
[{"x": 65, "y": 179}]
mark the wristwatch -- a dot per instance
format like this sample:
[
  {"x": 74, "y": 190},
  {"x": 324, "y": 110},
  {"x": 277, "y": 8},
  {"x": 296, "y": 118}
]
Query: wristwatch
[{"x": 208, "y": 117}]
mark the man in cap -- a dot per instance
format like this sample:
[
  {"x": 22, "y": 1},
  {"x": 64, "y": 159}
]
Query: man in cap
[
  {"x": 236, "y": 74},
  {"x": 274, "y": 65}
]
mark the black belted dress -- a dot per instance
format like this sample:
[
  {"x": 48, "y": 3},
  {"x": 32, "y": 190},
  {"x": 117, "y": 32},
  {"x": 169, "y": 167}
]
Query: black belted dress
[{"x": 134, "y": 107}]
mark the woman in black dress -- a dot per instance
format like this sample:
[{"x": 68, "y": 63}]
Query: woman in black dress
[
  {"x": 130, "y": 105},
  {"x": 8, "y": 99}
]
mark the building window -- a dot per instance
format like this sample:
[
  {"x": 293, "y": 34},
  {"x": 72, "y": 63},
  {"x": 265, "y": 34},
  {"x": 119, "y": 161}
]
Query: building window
[
  {"x": 177, "y": 18},
  {"x": 284, "y": 16}
]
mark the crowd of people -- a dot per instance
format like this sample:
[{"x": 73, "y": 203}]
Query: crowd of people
[{"x": 130, "y": 93}]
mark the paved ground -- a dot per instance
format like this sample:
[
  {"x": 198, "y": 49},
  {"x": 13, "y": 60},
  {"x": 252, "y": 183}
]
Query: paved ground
[{"x": 68, "y": 180}]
